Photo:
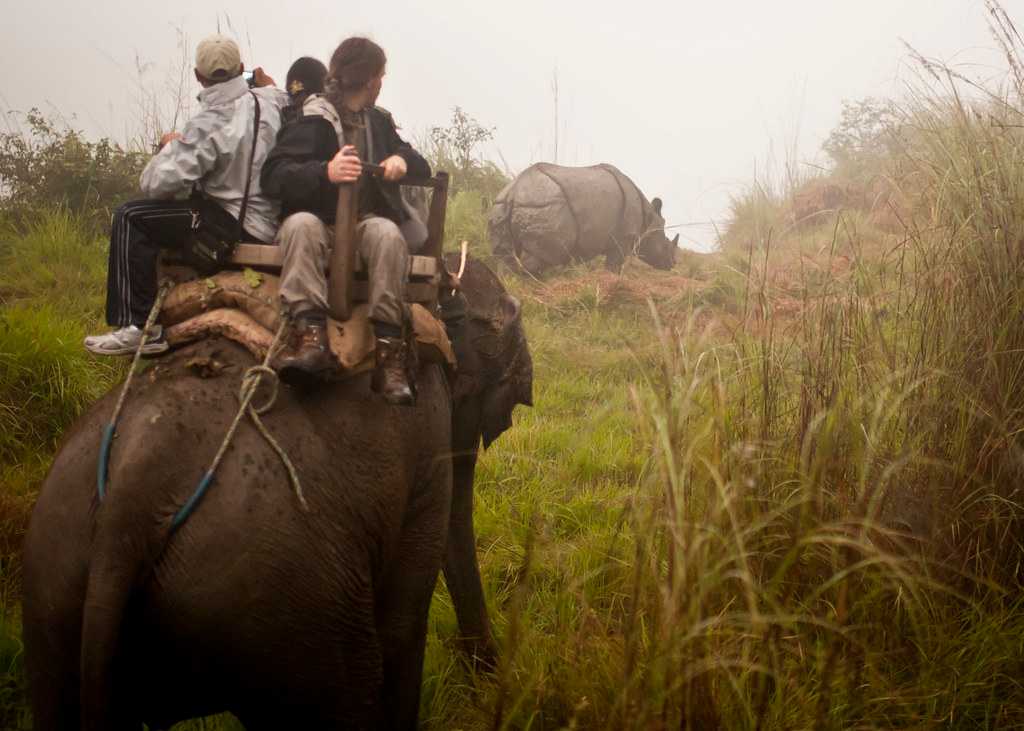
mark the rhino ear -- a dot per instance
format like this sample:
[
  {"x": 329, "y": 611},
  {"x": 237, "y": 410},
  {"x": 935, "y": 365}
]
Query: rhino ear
[{"x": 656, "y": 204}]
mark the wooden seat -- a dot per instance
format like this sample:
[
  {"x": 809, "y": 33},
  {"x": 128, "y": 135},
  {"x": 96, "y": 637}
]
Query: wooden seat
[
  {"x": 424, "y": 271},
  {"x": 270, "y": 256}
]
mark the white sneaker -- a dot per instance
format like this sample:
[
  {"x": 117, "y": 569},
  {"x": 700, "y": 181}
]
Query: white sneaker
[{"x": 126, "y": 341}]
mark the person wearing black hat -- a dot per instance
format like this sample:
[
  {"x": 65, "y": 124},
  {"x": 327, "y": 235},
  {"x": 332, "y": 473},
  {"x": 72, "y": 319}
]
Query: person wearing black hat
[{"x": 305, "y": 78}]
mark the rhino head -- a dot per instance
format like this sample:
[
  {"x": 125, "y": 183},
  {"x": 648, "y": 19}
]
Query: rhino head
[{"x": 654, "y": 247}]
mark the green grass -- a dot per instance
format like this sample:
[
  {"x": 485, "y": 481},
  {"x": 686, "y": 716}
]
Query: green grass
[
  {"x": 57, "y": 261},
  {"x": 51, "y": 286},
  {"x": 664, "y": 538}
]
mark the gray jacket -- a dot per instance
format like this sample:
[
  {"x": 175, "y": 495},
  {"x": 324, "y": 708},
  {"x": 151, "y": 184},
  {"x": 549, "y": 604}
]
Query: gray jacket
[{"x": 214, "y": 152}]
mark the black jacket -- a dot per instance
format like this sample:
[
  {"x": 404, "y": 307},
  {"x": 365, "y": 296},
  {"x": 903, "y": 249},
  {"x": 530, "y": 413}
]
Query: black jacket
[{"x": 295, "y": 171}]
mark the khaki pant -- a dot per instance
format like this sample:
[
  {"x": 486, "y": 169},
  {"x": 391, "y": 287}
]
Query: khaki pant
[{"x": 307, "y": 241}]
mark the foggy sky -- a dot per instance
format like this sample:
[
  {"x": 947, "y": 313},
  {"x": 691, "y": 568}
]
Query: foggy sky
[{"x": 690, "y": 99}]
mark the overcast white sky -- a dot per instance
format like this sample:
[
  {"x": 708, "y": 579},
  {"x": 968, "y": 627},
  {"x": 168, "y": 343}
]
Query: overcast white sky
[{"x": 688, "y": 98}]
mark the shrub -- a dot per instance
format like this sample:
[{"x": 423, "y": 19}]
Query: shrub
[
  {"x": 50, "y": 166},
  {"x": 866, "y": 137},
  {"x": 755, "y": 216},
  {"x": 453, "y": 148}
]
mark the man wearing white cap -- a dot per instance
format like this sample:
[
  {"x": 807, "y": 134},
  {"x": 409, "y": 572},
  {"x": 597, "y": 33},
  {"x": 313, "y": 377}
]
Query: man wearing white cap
[{"x": 217, "y": 157}]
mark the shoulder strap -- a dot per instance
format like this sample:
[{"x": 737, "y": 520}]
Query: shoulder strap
[
  {"x": 316, "y": 105},
  {"x": 369, "y": 137},
  {"x": 252, "y": 161}
]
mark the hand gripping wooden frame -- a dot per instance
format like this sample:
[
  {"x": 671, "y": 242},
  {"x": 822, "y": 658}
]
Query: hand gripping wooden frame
[{"x": 346, "y": 282}]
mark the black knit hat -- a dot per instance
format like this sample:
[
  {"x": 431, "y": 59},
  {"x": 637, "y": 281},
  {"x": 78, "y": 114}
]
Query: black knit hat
[{"x": 306, "y": 76}]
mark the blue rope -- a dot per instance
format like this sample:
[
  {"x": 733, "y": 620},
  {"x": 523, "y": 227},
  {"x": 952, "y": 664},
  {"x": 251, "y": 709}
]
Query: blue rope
[
  {"x": 101, "y": 468},
  {"x": 250, "y": 382},
  {"x": 111, "y": 428},
  {"x": 182, "y": 515}
]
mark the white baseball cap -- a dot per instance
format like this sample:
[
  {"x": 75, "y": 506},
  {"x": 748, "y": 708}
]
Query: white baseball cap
[{"x": 218, "y": 58}]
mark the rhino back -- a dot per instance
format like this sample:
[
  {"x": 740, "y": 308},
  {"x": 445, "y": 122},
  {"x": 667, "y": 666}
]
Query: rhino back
[
  {"x": 557, "y": 213},
  {"x": 537, "y": 220},
  {"x": 592, "y": 200}
]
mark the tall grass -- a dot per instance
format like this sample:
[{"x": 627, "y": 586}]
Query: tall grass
[
  {"x": 826, "y": 528},
  {"x": 51, "y": 285}
]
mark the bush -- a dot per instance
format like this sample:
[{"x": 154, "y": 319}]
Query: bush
[
  {"x": 453, "y": 148},
  {"x": 866, "y": 137},
  {"x": 755, "y": 216},
  {"x": 50, "y": 166}
]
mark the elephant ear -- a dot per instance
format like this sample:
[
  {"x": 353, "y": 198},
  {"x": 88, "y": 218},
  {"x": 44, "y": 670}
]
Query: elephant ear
[{"x": 516, "y": 383}]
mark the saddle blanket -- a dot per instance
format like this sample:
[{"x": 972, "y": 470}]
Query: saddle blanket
[{"x": 245, "y": 307}]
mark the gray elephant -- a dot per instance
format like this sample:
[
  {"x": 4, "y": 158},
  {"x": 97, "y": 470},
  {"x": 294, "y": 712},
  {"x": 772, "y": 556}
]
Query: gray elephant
[
  {"x": 287, "y": 618},
  {"x": 552, "y": 215}
]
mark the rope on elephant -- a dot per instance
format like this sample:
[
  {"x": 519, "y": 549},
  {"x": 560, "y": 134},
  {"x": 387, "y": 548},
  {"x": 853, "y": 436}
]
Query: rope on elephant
[
  {"x": 251, "y": 381},
  {"x": 111, "y": 428},
  {"x": 253, "y": 375}
]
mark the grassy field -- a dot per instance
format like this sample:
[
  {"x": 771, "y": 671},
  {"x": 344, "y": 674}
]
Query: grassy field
[
  {"x": 778, "y": 487},
  {"x": 704, "y": 519}
]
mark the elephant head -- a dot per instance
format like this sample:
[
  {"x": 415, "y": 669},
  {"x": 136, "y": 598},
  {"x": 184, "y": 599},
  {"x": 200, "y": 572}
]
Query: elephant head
[
  {"x": 654, "y": 247},
  {"x": 495, "y": 370}
]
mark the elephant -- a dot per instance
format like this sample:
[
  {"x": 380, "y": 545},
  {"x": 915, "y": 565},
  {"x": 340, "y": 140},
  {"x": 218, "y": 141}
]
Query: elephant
[
  {"x": 286, "y": 617},
  {"x": 552, "y": 215}
]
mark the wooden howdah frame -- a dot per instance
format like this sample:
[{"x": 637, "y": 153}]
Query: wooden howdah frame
[{"x": 346, "y": 282}]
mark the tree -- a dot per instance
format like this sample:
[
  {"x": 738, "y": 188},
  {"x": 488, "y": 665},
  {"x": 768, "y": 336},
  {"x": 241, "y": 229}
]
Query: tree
[
  {"x": 865, "y": 132},
  {"x": 453, "y": 148}
]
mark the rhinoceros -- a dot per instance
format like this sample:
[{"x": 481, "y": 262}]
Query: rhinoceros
[{"x": 552, "y": 215}]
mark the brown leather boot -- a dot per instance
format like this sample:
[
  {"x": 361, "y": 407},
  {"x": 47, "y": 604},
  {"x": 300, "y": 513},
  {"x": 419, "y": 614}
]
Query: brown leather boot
[
  {"x": 308, "y": 356},
  {"x": 391, "y": 377}
]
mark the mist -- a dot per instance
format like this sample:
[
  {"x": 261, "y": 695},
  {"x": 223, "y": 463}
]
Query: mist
[{"x": 691, "y": 100}]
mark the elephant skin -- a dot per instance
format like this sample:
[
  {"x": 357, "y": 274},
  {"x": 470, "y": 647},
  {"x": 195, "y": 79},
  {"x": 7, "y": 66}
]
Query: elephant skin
[
  {"x": 287, "y": 618},
  {"x": 552, "y": 215},
  {"x": 495, "y": 373}
]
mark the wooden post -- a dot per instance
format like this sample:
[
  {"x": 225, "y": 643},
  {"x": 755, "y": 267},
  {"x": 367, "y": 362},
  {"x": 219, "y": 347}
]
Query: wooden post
[
  {"x": 342, "y": 263},
  {"x": 434, "y": 245},
  {"x": 435, "y": 225}
]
